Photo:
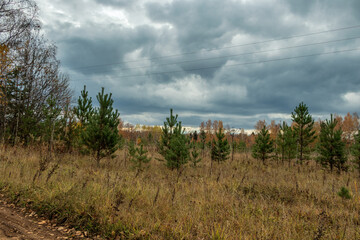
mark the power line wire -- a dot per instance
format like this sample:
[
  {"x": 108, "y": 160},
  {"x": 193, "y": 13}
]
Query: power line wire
[
  {"x": 238, "y": 64},
  {"x": 233, "y": 46},
  {"x": 236, "y": 55}
]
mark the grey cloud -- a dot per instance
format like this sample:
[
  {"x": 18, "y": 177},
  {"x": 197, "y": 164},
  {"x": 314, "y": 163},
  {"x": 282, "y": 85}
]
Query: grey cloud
[
  {"x": 118, "y": 3},
  {"x": 207, "y": 24},
  {"x": 251, "y": 92},
  {"x": 300, "y": 7},
  {"x": 306, "y": 7},
  {"x": 106, "y": 47}
]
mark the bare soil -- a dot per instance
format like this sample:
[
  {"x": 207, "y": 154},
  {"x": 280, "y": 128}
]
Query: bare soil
[{"x": 21, "y": 224}]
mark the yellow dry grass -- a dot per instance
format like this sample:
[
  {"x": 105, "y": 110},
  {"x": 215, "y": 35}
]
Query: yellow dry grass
[{"x": 242, "y": 199}]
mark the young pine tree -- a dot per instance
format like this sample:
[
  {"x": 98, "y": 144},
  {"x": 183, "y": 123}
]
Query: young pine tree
[
  {"x": 303, "y": 128},
  {"x": 101, "y": 135},
  {"x": 233, "y": 146},
  {"x": 173, "y": 145},
  {"x": 263, "y": 145},
  {"x": 83, "y": 112},
  {"x": 241, "y": 146},
  {"x": 220, "y": 149},
  {"x": 138, "y": 157},
  {"x": 355, "y": 151},
  {"x": 195, "y": 155},
  {"x": 331, "y": 147},
  {"x": 202, "y": 141},
  {"x": 286, "y": 143},
  {"x": 84, "y": 109}
]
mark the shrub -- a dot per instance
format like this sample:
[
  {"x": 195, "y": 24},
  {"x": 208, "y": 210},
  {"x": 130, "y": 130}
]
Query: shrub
[{"x": 344, "y": 193}]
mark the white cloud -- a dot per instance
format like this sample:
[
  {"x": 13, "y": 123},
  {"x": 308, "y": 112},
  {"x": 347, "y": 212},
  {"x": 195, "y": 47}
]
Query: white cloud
[
  {"x": 352, "y": 99},
  {"x": 279, "y": 115},
  {"x": 147, "y": 118},
  {"x": 113, "y": 15},
  {"x": 188, "y": 91}
]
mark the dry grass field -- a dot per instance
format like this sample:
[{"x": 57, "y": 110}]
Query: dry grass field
[{"x": 243, "y": 199}]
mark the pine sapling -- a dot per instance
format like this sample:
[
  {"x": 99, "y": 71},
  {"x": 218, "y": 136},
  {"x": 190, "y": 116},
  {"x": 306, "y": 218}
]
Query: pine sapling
[
  {"x": 220, "y": 149},
  {"x": 304, "y": 129},
  {"x": 83, "y": 113},
  {"x": 101, "y": 135},
  {"x": 344, "y": 193},
  {"x": 355, "y": 151},
  {"x": 263, "y": 146},
  {"x": 138, "y": 157},
  {"x": 286, "y": 143},
  {"x": 84, "y": 109},
  {"x": 331, "y": 146},
  {"x": 202, "y": 141},
  {"x": 173, "y": 145},
  {"x": 195, "y": 155}
]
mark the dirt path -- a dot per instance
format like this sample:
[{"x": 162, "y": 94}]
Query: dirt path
[{"x": 19, "y": 224}]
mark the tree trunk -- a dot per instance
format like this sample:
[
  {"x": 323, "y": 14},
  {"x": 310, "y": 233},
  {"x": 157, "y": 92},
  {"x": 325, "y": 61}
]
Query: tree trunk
[
  {"x": 4, "y": 115},
  {"x": 359, "y": 166},
  {"x": 98, "y": 158},
  {"x": 301, "y": 143},
  {"x": 331, "y": 165},
  {"x": 179, "y": 172}
]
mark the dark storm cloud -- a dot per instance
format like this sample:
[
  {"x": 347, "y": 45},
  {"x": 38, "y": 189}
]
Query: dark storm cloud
[
  {"x": 109, "y": 46},
  {"x": 204, "y": 24},
  {"x": 112, "y": 36},
  {"x": 348, "y": 9}
]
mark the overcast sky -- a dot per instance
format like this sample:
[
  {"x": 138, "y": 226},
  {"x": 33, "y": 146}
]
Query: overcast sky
[{"x": 211, "y": 59}]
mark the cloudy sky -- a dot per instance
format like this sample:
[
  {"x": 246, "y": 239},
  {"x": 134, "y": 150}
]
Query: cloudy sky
[{"x": 236, "y": 61}]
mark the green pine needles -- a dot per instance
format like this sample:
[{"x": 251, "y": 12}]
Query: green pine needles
[
  {"x": 84, "y": 109},
  {"x": 138, "y": 157},
  {"x": 331, "y": 147},
  {"x": 303, "y": 128},
  {"x": 83, "y": 112},
  {"x": 101, "y": 135},
  {"x": 202, "y": 142},
  {"x": 174, "y": 144},
  {"x": 263, "y": 146},
  {"x": 286, "y": 143},
  {"x": 195, "y": 155},
  {"x": 220, "y": 149},
  {"x": 355, "y": 151},
  {"x": 344, "y": 193}
]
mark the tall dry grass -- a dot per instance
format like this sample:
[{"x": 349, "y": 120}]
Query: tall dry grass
[{"x": 243, "y": 199}]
